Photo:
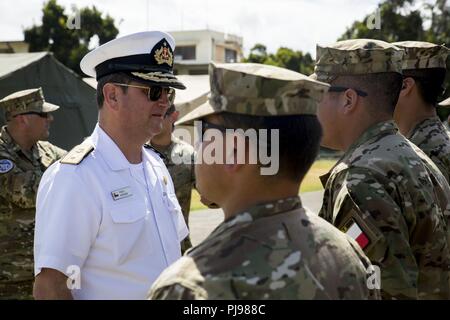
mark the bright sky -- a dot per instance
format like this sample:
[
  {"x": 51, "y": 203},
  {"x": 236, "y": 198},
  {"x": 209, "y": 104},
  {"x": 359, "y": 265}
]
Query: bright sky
[{"x": 298, "y": 24}]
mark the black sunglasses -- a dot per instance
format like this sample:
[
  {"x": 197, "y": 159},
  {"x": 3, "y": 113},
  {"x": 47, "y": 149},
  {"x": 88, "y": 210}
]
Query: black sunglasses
[
  {"x": 154, "y": 92},
  {"x": 40, "y": 114},
  {"x": 342, "y": 89}
]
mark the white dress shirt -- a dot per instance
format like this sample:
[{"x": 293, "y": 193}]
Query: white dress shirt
[{"x": 119, "y": 223}]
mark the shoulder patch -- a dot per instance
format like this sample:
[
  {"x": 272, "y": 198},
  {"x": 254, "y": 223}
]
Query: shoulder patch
[
  {"x": 6, "y": 165},
  {"x": 352, "y": 229},
  {"x": 148, "y": 146},
  {"x": 366, "y": 234},
  {"x": 77, "y": 154}
]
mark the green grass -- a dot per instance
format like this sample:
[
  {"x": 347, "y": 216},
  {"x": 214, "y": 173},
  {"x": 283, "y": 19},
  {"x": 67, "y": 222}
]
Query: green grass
[
  {"x": 310, "y": 183},
  {"x": 195, "y": 201}
]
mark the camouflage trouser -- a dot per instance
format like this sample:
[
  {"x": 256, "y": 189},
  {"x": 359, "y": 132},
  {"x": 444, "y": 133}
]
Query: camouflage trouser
[{"x": 20, "y": 290}]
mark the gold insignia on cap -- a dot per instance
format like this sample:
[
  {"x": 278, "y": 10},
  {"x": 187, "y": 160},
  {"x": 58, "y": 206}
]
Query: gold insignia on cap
[
  {"x": 164, "y": 55},
  {"x": 165, "y": 180}
]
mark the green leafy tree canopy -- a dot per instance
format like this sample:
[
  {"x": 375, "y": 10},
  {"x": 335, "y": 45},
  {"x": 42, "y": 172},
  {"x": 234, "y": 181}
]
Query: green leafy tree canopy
[
  {"x": 284, "y": 57},
  {"x": 403, "y": 20},
  {"x": 69, "y": 45}
]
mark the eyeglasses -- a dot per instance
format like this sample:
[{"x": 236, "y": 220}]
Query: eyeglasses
[
  {"x": 342, "y": 89},
  {"x": 154, "y": 93},
  {"x": 40, "y": 114}
]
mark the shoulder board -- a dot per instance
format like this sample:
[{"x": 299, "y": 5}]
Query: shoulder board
[
  {"x": 77, "y": 154},
  {"x": 148, "y": 146}
]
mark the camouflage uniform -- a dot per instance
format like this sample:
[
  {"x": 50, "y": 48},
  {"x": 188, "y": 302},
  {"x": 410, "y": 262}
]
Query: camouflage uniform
[
  {"x": 292, "y": 254},
  {"x": 19, "y": 180},
  {"x": 389, "y": 191},
  {"x": 433, "y": 138},
  {"x": 430, "y": 135},
  {"x": 446, "y": 103},
  {"x": 274, "y": 250},
  {"x": 179, "y": 160},
  {"x": 386, "y": 193}
]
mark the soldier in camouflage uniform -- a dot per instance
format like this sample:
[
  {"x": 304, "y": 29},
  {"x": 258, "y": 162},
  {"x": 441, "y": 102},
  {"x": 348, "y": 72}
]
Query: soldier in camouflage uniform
[
  {"x": 178, "y": 156},
  {"x": 424, "y": 68},
  {"x": 23, "y": 160},
  {"x": 384, "y": 192},
  {"x": 269, "y": 246},
  {"x": 446, "y": 104}
]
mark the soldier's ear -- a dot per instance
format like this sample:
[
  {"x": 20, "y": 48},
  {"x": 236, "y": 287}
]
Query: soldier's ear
[
  {"x": 350, "y": 101},
  {"x": 407, "y": 86}
]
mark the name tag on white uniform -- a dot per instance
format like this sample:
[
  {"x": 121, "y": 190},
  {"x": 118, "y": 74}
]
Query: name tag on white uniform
[{"x": 121, "y": 193}]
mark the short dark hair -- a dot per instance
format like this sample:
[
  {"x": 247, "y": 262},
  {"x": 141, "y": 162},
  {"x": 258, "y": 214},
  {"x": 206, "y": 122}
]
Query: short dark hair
[
  {"x": 383, "y": 90},
  {"x": 429, "y": 83},
  {"x": 299, "y": 139},
  {"x": 119, "y": 77}
]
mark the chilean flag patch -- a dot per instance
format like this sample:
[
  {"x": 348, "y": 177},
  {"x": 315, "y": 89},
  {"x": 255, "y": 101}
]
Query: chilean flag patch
[{"x": 355, "y": 232}]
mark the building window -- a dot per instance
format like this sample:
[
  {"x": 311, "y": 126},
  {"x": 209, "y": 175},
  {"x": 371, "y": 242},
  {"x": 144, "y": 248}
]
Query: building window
[
  {"x": 185, "y": 53},
  {"x": 230, "y": 55}
]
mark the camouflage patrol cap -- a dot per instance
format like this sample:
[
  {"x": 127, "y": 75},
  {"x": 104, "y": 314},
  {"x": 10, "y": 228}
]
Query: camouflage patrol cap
[
  {"x": 445, "y": 103},
  {"x": 258, "y": 90},
  {"x": 423, "y": 55},
  {"x": 356, "y": 57},
  {"x": 30, "y": 100}
]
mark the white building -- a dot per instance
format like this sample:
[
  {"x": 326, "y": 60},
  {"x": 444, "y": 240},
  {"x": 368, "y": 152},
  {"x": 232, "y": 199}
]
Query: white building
[{"x": 196, "y": 49}]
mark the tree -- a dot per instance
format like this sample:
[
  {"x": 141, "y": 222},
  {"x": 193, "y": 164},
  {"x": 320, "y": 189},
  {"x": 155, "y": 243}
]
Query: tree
[
  {"x": 399, "y": 22},
  {"x": 258, "y": 54},
  {"x": 284, "y": 57},
  {"x": 439, "y": 31},
  {"x": 69, "y": 45},
  {"x": 294, "y": 60}
]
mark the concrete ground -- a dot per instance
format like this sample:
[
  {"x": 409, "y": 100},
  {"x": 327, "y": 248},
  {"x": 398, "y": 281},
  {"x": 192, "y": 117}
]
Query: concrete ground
[{"x": 202, "y": 222}]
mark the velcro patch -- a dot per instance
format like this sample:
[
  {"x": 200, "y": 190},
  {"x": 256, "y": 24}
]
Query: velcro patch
[
  {"x": 6, "y": 165},
  {"x": 354, "y": 231}
]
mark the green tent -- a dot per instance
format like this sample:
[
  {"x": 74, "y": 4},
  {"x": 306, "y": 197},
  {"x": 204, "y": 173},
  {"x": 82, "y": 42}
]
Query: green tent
[{"x": 77, "y": 116}]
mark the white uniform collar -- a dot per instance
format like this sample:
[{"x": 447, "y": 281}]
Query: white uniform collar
[{"x": 109, "y": 150}]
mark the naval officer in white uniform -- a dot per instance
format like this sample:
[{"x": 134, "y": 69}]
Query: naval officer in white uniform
[{"x": 108, "y": 221}]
